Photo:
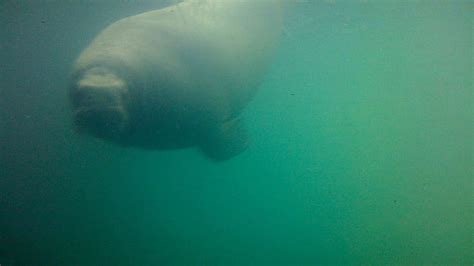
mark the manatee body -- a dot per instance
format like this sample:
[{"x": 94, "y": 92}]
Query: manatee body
[{"x": 176, "y": 77}]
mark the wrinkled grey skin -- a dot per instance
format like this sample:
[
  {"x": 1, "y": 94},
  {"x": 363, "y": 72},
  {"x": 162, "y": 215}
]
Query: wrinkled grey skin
[{"x": 176, "y": 77}]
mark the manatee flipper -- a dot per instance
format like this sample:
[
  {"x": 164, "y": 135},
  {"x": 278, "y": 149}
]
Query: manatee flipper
[{"x": 225, "y": 140}]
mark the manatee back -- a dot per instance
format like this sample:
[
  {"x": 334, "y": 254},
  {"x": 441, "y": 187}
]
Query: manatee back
[{"x": 217, "y": 51}]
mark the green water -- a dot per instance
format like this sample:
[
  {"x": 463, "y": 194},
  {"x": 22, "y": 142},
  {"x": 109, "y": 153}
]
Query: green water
[{"x": 361, "y": 149}]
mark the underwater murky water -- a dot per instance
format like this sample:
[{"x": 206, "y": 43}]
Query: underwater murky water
[{"x": 361, "y": 148}]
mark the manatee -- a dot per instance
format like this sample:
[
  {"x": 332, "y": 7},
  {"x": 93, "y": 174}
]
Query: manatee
[{"x": 176, "y": 77}]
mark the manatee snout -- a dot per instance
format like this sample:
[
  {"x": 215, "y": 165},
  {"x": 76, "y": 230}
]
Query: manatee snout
[
  {"x": 99, "y": 101},
  {"x": 109, "y": 123}
]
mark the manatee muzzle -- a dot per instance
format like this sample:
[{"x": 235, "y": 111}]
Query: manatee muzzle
[
  {"x": 105, "y": 122},
  {"x": 100, "y": 100}
]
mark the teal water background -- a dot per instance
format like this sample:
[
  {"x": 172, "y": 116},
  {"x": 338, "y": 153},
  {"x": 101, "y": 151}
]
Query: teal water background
[{"x": 361, "y": 148}]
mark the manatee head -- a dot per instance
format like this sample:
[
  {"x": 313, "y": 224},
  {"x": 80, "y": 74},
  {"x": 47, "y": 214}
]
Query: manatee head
[{"x": 100, "y": 102}]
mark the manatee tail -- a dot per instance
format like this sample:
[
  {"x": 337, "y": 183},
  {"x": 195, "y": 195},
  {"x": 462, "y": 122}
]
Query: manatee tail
[{"x": 224, "y": 141}]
